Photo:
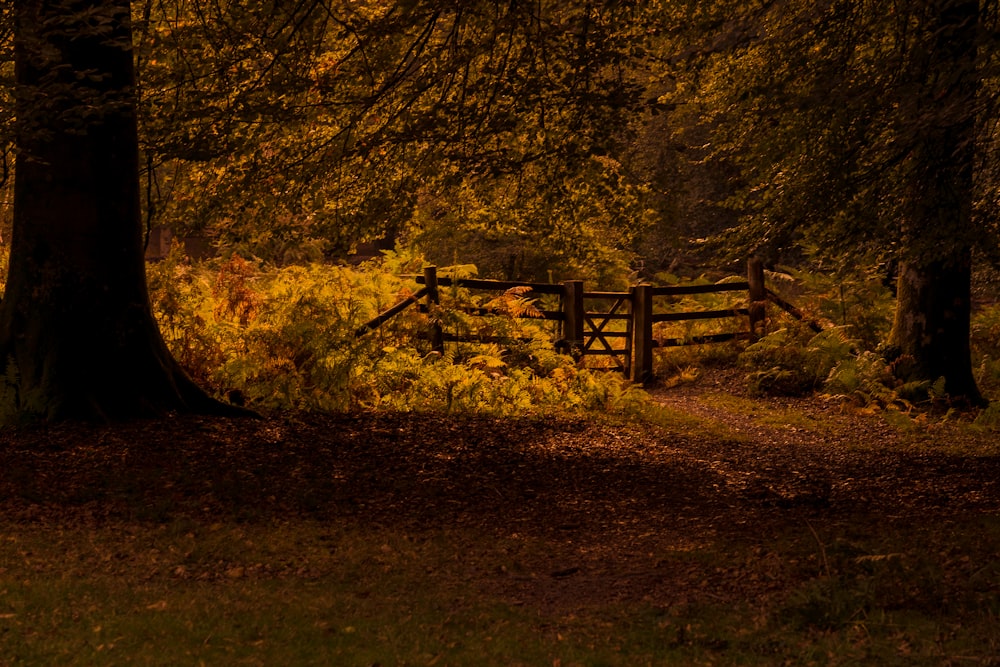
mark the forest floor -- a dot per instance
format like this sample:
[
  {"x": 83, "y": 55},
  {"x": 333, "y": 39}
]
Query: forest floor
[{"x": 714, "y": 528}]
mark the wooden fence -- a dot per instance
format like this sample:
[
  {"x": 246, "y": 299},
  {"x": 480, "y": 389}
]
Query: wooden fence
[{"x": 585, "y": 331}]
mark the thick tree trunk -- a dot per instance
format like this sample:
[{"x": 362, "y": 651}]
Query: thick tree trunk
[
  {"x": 77, "y": 335},
  {"x": 931, "y": 328},
  {"x": 933, "y": 313}
]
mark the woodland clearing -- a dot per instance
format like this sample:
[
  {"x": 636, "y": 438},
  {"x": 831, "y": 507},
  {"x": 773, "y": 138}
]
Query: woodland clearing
[{"x": 714, "y": 529}]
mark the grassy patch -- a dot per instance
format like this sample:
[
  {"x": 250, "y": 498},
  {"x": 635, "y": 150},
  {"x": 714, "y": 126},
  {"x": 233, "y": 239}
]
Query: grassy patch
[
  {"x": 309, "y": 593},
  {"x": 766, "y": 414},
  {"x": 675, "y": 420}
]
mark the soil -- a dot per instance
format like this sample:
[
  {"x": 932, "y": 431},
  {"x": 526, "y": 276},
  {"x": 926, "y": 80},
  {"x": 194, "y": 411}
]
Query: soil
[{"x": 608, "y": 497}]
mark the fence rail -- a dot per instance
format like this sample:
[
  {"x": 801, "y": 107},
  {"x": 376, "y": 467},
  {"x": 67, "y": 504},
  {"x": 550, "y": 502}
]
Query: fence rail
[
  {"x": 492, "y": 285},
  {"x": 585, "y": 332},
  {"x": 683, "y": 290}
]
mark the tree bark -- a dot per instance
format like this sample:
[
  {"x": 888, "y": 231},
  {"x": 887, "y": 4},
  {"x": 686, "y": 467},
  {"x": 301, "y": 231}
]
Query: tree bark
[
  {"x": 933, "y": 312},
  {"x": 931, "y": 328},
  {"x": 77, "y": 336}
]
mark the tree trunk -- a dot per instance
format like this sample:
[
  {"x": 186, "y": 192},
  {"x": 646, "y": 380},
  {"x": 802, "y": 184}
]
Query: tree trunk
[
  {"x": 931, "y": 328},
  {"x": 77, "y": 336},
  {"x": 933, "y": 311}
]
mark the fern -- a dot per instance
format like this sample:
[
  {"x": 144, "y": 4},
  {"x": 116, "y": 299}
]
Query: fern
[
  {"x": 285, "y": 339},
  {"x": 514, "y": 303}
]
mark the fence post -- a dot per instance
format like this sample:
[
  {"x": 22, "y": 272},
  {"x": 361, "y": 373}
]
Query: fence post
[
  {"x": 573, "y": 314},
  {"x": 642, "y": 333},
  {"x": 758, "y": 296},
  {"x": 433, "y": 299}
]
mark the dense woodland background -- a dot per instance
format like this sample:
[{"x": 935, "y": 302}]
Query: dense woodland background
[
  {"x": 607, "y": 141},
  {"x": 538, "y": 137}
]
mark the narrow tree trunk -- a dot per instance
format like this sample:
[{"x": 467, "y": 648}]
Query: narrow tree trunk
[{"x": 77, "y": 336}]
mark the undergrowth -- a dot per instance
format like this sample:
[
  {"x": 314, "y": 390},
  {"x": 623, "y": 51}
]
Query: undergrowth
[
  {"x": 287, "y": 338},
  {"x": 795, "y": 361},
  {"x": 848, "y": 360}
]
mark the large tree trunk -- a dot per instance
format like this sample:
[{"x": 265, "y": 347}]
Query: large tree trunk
[
  {"x": 77, "y": 335},
  {"x": 933, "y": 311},
  {"x": 931, "y": 328}
]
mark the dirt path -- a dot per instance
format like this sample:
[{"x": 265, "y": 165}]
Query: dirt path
[
  {"x": 720, "y": 398},
  {"x": 605, "y": 499},
  {"x": 717, "y": 453}
]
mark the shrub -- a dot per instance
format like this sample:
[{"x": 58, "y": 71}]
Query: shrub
[
  {"x": 286, "y": 338},
  {"x": 788, "y": 362},
  {"x": 858, "y": 300}
]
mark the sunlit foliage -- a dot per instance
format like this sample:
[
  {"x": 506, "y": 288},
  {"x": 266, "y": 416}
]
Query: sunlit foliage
[
  {"x": 291, "y": 130},
  {"x": 287, "y": 338}
]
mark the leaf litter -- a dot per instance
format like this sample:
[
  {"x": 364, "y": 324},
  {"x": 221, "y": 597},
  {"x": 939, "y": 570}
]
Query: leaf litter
[{"x": 613, "y": 502}]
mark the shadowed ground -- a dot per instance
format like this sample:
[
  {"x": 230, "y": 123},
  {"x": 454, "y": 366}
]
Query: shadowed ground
[{"x": 609, "y": 500}]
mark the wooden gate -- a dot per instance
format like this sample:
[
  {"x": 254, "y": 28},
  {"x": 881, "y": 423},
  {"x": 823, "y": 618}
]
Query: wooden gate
[
  {"x": 588, "y": 332},
  {"x": 598, "y": 340}
]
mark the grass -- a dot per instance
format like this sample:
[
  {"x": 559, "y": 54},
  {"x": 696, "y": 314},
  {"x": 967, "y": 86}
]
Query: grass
[
  {"x": 779, "y": 417},
  {"x": 309, "y": 593},
  {"x": 706, "y": 426},
  {"x": 675, "y": 420},
  {"x": 945, "y": 433}
]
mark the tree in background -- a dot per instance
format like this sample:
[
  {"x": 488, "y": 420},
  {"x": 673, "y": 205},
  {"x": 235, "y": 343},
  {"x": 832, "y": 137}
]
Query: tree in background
[
  {"x": 285, "y": 127},
  {"x": 77, "y": 336},
  {"x": 860, "y": 129}
]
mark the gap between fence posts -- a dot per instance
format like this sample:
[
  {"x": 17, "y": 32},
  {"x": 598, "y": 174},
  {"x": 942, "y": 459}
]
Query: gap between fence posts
[
  {"x": 433, "y": 300},
  {"x": 641, "y": 365},
  {"x": 758, "y": 296},
  {"x": 573, "y": 316}
]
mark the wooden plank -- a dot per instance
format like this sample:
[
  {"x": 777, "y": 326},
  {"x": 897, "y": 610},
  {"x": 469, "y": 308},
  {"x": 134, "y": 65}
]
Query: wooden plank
[
  {"x": 606, "y": 295},
  {"x": 484, "y": 312},
  {"x": 610, "y": 316},
  {"x": 433, "y": 300},
  {"x": 702, "y": 340},
  {"x": 388, "y": 314},
  {"x": 678, "y": 290},
  {"x": 573, "y": 324},
  {"x": 642, "y": 334},
  {"x": 607, "y": 353},
  {"x": 471, "y": 338},
  {"x": 554, "y": 315},
  {"x": 792, "y": 310},
  {"x": 627, "y": 355},
  {"x": 608, "y": 334},
  {"x": 494, "y": 285},
  {"x": 701, "y": 315},
  {"x": 758, "y": 295},
  {"x": 668, "y": 342}
]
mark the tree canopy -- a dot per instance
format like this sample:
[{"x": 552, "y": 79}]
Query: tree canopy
[
  {"x": 336, "y": 122},
  {"x": 825, "y": 109},
  {"x": 856, "y": 129},
  {"x": 572, "y": 139}
]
